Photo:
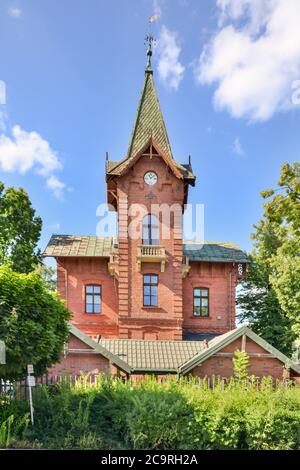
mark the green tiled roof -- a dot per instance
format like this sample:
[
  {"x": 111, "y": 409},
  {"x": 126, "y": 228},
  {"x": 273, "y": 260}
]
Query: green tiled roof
[
  {"x": 143, "y": 355},
  {"x": 220, "y": 342},
  {"x": 149, "y": 124},
  {"x": 214, "y": 251},
  {"x": 137, "y": 356},
  {"x": 116, "y": 168},
  {"x": 149, "y": 121},
  {"x": 72, "y": 245}
]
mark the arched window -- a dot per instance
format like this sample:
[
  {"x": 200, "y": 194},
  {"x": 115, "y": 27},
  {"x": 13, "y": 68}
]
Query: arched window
[{"x": 150, "y": 230}]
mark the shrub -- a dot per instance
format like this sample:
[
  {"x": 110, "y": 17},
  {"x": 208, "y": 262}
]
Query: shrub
[{"x": 178, "y": 414}]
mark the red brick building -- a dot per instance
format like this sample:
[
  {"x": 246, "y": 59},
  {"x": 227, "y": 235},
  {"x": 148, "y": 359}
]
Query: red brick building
[{"x": 148, "y": 301}]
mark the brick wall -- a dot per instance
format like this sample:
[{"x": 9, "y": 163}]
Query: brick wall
[
  {"x": 220, "y": 279},
  {"x": 73, "y": 275},
  {"x": 123, "y": 314},
  {"x": 260, "y": 366},
  {"x": 74, "y": 363},
  {"x": 137, "y": 321}
]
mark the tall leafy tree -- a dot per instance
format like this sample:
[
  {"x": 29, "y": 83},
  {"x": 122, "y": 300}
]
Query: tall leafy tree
[
  {"x": 271, "y": 299},
  {"x": 282, "y": 215},
  {"x": 33, "y": 323},
  {"x": 48, "y": 274},
  {"x": 20, "y": 230},
  {"x": 260, "y": 308}
]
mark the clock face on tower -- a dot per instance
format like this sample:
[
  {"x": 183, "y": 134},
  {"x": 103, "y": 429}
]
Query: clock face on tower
[{"x": 150, "y": 178}]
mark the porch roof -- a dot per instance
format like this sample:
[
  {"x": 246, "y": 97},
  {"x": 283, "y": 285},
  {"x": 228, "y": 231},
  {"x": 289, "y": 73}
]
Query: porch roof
[
  {"x": 177, "y": 357},
  {"x": 153, "y": 356}
]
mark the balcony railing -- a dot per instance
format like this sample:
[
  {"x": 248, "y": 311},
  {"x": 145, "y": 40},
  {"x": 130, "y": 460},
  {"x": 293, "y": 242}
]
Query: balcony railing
[{"x": 151, "y": 254}]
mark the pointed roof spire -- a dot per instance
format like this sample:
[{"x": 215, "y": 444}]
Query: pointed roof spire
[{"x": 149, "y": 122}]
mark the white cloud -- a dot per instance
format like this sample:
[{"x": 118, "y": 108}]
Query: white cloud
[
  {"x": 14, "y": 12},
  {"x": 170, "y": 70},
  {"x": 56, "y": 186},
  {"x": 254, "y": 57},
  {"x": 24, "y": 151},
  {"x": 238, "y": 148}
]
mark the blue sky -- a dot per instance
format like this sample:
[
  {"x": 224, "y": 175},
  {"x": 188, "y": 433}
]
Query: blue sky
[{"x": 73, "y": 72}]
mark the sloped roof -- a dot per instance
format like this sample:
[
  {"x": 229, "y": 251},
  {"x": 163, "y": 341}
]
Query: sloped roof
[
  {"x": 192, "y": 336},
  {"x": 220, "y": 342},
  {"x": 149, "y": 127},
  {"x": 91, "y": 246},
  {"x": 117, "y": 168},
  {"x": 73, "y": 245},
  {"x": 143, "y": 355},
  {"x": 149, "y": 121},
  {"x": 214, "y": 251},
  {"x": 137, "y": 356},
  {"x": 99, "y": 348}
]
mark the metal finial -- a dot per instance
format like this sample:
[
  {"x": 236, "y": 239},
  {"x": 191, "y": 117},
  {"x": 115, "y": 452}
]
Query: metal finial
[{"x": 149, "y": 40}]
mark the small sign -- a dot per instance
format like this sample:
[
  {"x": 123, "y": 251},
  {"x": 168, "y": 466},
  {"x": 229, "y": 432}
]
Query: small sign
[
  {"x": 30, "y": 369},
  {"x": 31, "y": 381}
]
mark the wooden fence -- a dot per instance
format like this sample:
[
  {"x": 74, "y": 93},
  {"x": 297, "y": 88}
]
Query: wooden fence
[{"x": 20, "y": 388}]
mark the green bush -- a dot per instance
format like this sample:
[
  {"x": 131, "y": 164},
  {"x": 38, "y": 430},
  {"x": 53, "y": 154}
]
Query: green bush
[{"x": 177, "y": 414}]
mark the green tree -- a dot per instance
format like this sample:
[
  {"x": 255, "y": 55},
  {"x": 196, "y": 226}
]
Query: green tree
[
  {"x": 48, "y": 274},
  {"x": 270, "y": 298},
  {"x": 20, "y": 230},
  {"x": 33, "y": 323},
  {"x": 260, "y": 308},
  {"x": 277, "y": 239}
]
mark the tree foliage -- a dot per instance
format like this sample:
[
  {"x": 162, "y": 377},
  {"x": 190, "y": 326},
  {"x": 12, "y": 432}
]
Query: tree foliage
[
  {"x": 33, "y": 323},
  {"x": 260, "y": 308},
  {"x": 241, "y": 365},
  {"x": 48, "y": 274},
  {"x": 270, "y": 301},
  {"x": 20, "y": 230},
  {"x": 278, "y": 239}
]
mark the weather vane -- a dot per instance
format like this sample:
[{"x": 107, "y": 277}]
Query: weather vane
[{"x": 150, "y": 39}]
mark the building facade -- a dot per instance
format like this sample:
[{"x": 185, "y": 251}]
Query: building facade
[{"x": 146, "y": 300}]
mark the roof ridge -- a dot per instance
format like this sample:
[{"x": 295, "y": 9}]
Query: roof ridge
[
  {"x": 155, "y": 341},
  {"x": 81, "y": 236}
]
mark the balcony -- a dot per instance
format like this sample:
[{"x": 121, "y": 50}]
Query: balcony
[{"x": 151, "y": 254}]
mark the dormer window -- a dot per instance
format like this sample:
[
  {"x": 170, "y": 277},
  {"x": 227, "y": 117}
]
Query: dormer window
[{"x": 150, "y": 230}]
